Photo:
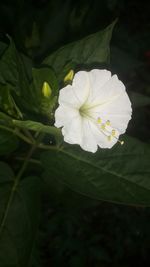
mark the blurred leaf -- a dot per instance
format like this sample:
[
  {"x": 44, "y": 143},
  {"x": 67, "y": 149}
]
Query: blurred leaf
[
  {"x": 18, "y": 235},
  {"x": 3, "y": 46},
  {"x": 7, "y": 103},
  {"x": 15, "y": 74},
  {"x": 119, "y": 175},
  {"x": 11, "y": 69},
  {"x": 5, "y": 119},
  {"x": 34, "y": 39},
  {"x": 122, "y": 61},
  {"x": 8, "y": 142},
  {"x": 90, "y": 50},
  {"x": 6, "y": 173},
  {"x": 139, "y": 100}
]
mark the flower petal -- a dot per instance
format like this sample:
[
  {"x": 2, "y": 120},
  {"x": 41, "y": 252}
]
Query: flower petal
[
  {"x": 81, "y": 86},
  {"x": 88, "y": 142},
  {"x": 72, "y": 131},
  {"x": 65, "y": 115},
  {"x": 109, "y": 91},
  {"x": 68, "y": 97},
  {"x": 98, "y": 78}
]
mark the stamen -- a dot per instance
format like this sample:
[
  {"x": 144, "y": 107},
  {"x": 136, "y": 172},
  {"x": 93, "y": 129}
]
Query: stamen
[
  {"x": 108, "y": 122},
  {"x": 99, "y": 120},
  {"x": 108, "y": 131}
]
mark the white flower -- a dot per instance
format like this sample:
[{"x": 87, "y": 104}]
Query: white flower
[{"x": 94, "y": 110}]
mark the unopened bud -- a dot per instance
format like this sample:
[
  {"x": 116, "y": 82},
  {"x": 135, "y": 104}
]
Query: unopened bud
[
  {"x": 46, "y": 90},
  {"x": 69, "y": 77}
]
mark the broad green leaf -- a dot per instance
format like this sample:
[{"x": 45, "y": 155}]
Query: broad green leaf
[
  {"x": 37, "y": 126},
  {"x": 120, "y": 175},
  {"x": 139, "y": 100},
  {"x": 93, "y": 49},
  {"x": 59, "y": 193},
  {"x": 8, "y": 142},
  {"x": 18, "y": 234}
]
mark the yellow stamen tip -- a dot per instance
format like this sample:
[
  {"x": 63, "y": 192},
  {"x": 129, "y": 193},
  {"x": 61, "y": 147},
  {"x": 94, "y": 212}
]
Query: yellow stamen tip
[
  {"x": 108, "y": 122},
  {"x": 99, "y": 120}
]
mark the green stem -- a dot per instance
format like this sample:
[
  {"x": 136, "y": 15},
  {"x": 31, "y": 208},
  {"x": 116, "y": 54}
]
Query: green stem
[
  {"x": 16, "y": 182},
  {"x": 31, "y": 160},
  {"x": 16, "y": 132}
]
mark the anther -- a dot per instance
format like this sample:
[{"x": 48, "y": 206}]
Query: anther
[
  {"x": 99, "y": 120},
  {"x": 108, "y": 122}
]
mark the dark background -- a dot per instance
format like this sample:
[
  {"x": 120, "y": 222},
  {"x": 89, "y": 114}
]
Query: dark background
[{"x": 74, "y": 230}]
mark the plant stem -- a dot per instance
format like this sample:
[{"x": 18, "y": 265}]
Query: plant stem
[
  {"x": 16, "y": 182},
  {"x": 16, "y": 132},
  {"x": 31, "y": 160}
]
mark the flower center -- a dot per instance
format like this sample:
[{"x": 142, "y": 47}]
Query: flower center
[{"x": 84, "y": 111}]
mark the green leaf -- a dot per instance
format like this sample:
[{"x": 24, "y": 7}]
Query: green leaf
[
  {"x": 37, "y": 126},
  {"x": 93, "y": 49},
  {"x": 139, "y": 100},
  {"x": 18, "y": 235},
  {"x": 8, "y": 142},
  {"x": 120, "y": 175}
]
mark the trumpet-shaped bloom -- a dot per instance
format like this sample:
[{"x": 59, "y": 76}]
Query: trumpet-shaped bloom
[{"x": 94, "y": 110}]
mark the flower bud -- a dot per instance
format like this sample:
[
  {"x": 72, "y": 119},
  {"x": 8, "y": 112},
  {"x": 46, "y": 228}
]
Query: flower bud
[
  {"x": 69, "y": 77},
  {"x": 46, "y": 90}
]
